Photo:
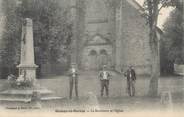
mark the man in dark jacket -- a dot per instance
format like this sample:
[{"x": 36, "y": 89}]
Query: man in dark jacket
[
  {"x": 73, "y": 74},
  {"x": 131, "y": 78},
  {"x": 104, "y": 76}
]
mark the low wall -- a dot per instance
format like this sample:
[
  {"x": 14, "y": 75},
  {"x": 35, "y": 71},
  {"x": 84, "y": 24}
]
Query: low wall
[{"x": 179, "y": 69}]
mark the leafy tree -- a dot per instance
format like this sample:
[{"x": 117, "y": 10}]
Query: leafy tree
[
  {"x": 152, "y": 9},
  {"x": 172, "y": 41},
  {"x": 11, "y": 38},
  {"x": 51, "y": 28},
  {"x": 52, "y": 32}
]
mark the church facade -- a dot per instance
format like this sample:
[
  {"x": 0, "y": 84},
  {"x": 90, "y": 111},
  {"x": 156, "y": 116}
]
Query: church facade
[{"x": 112, "y": 33}]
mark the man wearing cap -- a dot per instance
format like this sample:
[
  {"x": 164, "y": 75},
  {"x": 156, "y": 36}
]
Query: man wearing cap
[
  {"x": 131, "y": 78},
  {"x": 104, "y": 76},
  {"x": 73, "y": 74}
]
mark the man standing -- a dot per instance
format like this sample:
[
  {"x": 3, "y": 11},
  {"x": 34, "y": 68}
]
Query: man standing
[
  {"x": 131, "y": 78},
  {"x": 73, "y": 74},
  {"x": 104, "y": 79}
]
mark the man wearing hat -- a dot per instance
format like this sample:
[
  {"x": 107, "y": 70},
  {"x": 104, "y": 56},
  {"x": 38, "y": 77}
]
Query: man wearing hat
[
  {"x": 104, "y": 76},
  {"x": 73, "y": 81},
  {"x": 131, "y": 78}
]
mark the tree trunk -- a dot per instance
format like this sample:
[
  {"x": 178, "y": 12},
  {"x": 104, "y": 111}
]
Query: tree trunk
[
  {"x": 153, "y": 87},
  {"x": 155, "y": 67}
]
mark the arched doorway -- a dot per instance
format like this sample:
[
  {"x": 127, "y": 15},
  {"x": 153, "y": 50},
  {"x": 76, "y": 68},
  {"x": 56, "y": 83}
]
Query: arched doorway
[
  {"x": 103, "y": 58},
  {"x": 92, "y": 60}
]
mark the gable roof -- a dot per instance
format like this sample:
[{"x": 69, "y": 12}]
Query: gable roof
[
  {"x": 136, "y": 5},
  {"x": 141, "y": 10}
]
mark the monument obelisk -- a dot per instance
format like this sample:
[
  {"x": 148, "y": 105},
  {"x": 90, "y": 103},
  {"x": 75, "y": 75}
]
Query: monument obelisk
[{"x": 27, "y": 65}]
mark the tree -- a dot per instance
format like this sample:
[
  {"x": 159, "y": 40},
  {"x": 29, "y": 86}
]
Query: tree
[
  {"x": 172, "y": 41},
  {"x": 11, "y": 38},
  {"x": 52, "y": 32},
  {"x": 51, "y": 28},
  {"x": 152, "y": 9}
]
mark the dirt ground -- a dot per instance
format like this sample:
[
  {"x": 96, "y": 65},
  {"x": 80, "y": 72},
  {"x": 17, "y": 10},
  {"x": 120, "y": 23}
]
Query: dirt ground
[{"x": 89, "y": 94}]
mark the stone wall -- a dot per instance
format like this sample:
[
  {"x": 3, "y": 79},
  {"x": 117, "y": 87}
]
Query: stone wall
[
  {"x": 134, "y": 40},
  {"x": 96, "y": 17},
  {"x": 2, "y": 24}
]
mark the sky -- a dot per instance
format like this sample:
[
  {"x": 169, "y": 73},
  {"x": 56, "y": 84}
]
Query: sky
[{"x": 164, "y": 13}]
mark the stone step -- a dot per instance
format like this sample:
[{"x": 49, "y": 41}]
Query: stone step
[
  {"x": 15, "y": 96},
  {"x": 28, "y": 99},
  {"x": 51, "y": 98},
  {"x": 23, "y": 96},
  {"x": 15, "y": 99},
  {"x": 25, "y": 92},
  {"x": 26, "y": 95}
]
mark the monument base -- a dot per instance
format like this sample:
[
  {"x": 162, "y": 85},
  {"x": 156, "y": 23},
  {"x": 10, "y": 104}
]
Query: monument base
[
  {"x": 28, "y": 71},
  {"x": 27, "y": 95}
]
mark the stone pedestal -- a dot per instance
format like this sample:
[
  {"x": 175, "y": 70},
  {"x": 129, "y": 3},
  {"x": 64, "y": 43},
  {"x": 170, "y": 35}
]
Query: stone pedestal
[{"x": 29, "y": 71}]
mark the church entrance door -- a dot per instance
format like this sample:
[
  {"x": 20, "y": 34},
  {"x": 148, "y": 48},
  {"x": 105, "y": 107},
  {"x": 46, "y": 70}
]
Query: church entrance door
[
  {"x": 103, "y": 58},
  {"x": 93, "y": 60}
]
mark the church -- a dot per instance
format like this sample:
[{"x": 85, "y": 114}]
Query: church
[
  {"x": 107, "y": 32},
  {"x": 112, "y": 33}
]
